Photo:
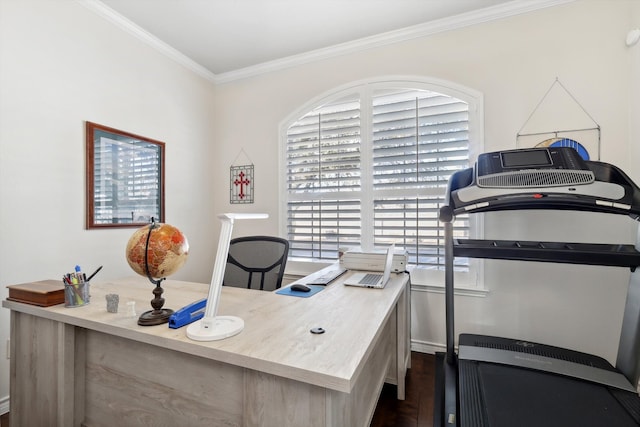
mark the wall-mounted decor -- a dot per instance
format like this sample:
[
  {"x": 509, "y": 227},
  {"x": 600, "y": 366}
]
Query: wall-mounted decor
[
  {"x": 124, "y": 178},
  {"x": 241, "y": 181},
  {"x": 559, "y": 120},
  {"x": 241, "y": 184}
]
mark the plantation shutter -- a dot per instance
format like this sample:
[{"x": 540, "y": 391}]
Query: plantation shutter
[
  {"x": 323, "y": 181},
  {"x": 386, "y": 171},
  {"x": 419, "y": 139}
]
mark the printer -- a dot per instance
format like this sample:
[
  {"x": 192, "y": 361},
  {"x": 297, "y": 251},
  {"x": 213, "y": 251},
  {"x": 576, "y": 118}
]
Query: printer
[{"x": 356, "y": 259}]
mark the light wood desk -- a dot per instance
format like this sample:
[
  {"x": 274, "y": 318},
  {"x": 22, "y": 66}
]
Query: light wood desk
[{"x": 87, "y": 367}]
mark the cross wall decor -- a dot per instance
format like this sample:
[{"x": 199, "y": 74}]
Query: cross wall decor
[{"x": 241, "y": 190}]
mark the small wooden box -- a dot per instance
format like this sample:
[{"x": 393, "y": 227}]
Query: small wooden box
[{"x": 44, "y": 293}]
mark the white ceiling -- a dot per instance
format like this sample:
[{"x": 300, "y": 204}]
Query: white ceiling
[{"x": 223, "y": 37}]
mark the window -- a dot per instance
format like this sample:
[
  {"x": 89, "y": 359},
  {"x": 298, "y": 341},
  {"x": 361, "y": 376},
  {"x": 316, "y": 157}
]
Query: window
[{"x": 368, "y": 166}]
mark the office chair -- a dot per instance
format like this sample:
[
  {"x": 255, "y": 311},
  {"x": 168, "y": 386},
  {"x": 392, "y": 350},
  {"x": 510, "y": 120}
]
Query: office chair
[{"x": 266, "y": 256}]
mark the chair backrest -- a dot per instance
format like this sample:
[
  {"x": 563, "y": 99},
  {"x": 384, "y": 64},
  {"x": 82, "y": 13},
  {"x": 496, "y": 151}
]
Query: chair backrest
[{"x": 256, "y": 262}]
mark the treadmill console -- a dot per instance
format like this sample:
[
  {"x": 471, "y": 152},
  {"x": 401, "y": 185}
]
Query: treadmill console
[
  {"x": 535, "y": 167},
  {"x": 540, "y": 178}
]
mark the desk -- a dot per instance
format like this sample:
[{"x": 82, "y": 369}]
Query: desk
[{"x": 87, "y": 367}]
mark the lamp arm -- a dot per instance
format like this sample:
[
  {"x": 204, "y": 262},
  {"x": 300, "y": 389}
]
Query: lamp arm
[{"x": 219, "y": 267}]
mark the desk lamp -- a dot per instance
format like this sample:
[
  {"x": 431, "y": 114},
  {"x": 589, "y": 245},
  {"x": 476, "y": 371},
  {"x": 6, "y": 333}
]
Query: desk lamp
[{"x": 212, "y": 327}]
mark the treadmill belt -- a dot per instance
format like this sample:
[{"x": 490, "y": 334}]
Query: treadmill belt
[{"x": 511, "y": 396}]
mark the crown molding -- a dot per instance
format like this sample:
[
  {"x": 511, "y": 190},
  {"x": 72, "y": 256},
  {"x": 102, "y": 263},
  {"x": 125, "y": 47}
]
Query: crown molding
[
  {"x": 504, "y": 10},
  {"x": 500, "y": 11},
  {"x": 146, "y": 37}
]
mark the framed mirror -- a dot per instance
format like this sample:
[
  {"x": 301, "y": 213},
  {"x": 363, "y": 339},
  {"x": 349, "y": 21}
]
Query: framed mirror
[{"x": 124, "y": 178}]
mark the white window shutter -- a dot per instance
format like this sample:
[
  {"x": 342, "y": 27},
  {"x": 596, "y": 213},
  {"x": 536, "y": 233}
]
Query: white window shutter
[{"x": 380, "y": 179}]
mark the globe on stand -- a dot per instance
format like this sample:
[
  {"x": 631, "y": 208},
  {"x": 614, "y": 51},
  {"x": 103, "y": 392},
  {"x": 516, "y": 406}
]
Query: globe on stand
[{"x": 156, "y": 251}]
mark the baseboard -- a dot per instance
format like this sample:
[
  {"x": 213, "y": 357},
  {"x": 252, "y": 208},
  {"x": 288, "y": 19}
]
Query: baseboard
[
  {"x": 4, "y": 405},
  {"x": 427, "y": 347}
]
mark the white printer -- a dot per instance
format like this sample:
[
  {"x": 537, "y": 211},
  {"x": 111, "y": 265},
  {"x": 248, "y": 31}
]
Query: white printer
[{"x": 356, "y": 259}]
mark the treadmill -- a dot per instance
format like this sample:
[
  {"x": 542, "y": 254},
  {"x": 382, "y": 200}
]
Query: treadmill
[{"x": 508, "y": 382}]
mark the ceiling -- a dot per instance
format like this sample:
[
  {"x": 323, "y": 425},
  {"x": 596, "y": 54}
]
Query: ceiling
[{"x": 229, "y": 37}]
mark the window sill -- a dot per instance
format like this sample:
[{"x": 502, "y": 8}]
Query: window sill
[
  {"x": 301, "y": 268},
  {"x": 459, "y": 290},
  {"x": 425, "y": 280}
]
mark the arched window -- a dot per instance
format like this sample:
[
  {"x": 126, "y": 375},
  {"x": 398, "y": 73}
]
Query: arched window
[{"x": 368, "y": 164}]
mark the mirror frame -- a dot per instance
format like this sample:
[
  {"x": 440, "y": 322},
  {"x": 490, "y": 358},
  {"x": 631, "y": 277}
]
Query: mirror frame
[{"x": 94, "y": 132}]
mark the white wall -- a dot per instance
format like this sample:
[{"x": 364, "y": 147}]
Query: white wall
[
  {"x": 61, "y": 64},
  {"x": 513, "y": 62}
]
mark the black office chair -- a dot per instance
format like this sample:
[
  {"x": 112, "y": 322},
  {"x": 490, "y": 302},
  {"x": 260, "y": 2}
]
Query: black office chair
[{"x": 264, "y": 255}]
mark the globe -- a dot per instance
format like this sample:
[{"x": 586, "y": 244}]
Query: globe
[
  {"x": 155, "y": 251},
  {"x": 167, "y": 250}
]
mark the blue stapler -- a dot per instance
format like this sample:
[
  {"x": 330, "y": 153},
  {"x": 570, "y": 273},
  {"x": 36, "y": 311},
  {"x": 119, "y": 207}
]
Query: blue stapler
[{"x": 188, "y": 314}]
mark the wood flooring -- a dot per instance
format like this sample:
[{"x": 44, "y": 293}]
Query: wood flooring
[
  {"x": 415, "y": 411},
  {"x": 417, "y": 408}
]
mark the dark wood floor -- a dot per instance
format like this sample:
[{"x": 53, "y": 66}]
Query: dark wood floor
[
  {"x": 415, "y": 411},
  {"x": 417, "y": 408}
]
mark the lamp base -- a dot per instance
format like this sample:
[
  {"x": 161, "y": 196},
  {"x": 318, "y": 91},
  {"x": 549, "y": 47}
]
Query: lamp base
[
  {"x": 215, "y": 328},
  {"x": 155, "y": 317}
]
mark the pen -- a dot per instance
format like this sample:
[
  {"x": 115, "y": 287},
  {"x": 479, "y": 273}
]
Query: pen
[{"x": 93, "y": 274}]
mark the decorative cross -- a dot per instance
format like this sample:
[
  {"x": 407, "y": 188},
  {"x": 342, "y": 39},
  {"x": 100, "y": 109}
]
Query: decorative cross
[{"x": 241, "y": 182}]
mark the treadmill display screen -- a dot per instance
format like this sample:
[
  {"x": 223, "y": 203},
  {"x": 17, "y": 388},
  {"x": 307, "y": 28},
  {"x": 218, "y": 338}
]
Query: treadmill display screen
[{"x": 527, "y": 158}]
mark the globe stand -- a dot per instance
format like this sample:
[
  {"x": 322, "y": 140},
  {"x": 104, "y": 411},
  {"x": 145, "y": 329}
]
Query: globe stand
[{"x": 158, "y": 315}]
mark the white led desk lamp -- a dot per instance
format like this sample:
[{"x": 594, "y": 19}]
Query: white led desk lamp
[{"x": 212, "y": 327}]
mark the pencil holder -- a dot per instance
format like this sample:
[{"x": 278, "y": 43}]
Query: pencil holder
[{"x": 76, "y": 295}]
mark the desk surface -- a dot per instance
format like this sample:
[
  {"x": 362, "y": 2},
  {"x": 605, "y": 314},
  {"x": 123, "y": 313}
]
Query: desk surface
[{"x": 276, "y": 338}]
